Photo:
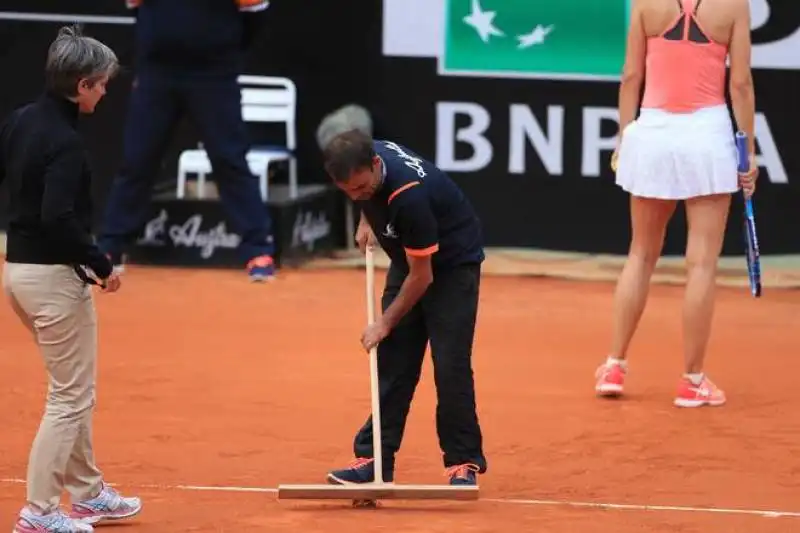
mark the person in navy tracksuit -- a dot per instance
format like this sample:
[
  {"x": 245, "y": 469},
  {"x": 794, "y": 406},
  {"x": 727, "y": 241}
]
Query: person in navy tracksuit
[
  {"x": 188, "y": 54},
  {"x": 433, "y": 238}
]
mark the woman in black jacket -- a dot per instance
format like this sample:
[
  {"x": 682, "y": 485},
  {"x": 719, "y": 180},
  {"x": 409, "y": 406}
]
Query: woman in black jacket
[{"x": 50, "y": 255}]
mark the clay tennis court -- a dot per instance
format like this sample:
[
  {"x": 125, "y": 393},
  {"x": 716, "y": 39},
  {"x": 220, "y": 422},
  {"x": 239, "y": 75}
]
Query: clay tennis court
[{"x": 210, "y": 386}]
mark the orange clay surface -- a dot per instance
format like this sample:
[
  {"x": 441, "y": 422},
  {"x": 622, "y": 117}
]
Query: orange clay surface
[{"x": 208, "y": 380}]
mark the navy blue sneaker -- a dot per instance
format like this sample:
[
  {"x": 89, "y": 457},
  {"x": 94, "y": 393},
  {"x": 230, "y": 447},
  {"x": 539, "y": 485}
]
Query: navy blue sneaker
[
  {"x": 466, "y": 474},
  {"x": 362, "y": 470},
  {"x": 261, "y": 268}
]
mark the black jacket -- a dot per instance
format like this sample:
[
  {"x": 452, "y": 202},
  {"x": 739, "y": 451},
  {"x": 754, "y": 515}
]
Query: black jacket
[{"x": 46, "y": 170}]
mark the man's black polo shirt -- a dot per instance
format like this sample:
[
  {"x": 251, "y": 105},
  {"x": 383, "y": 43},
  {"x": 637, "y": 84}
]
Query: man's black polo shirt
[{"x": 418, "y": 210}]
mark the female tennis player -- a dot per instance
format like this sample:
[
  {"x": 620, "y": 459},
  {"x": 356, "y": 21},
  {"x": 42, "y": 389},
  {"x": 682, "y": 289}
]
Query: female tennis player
[{"x": 681, "y": 147}]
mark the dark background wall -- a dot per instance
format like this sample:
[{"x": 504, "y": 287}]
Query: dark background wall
[
  {"x": 335, "y": 57},
  {"x": 572, "y": 211},
  {"x": 332, "y": 64}
]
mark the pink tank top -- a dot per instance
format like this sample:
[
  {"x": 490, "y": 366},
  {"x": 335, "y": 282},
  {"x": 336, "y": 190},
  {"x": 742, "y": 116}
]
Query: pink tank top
[{"x": 685, "y": 68}]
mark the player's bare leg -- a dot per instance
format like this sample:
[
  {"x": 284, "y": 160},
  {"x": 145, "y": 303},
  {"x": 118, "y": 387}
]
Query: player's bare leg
[
  {"x": 649, "y": 218},
  {"x": 706, "y": 218}
]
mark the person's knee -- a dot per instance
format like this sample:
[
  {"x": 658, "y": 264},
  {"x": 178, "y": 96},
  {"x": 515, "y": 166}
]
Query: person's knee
[
  {"x": 646, "y": 249},
  {"x": 229, "y": 163},
  {"x": 703, "y": 249},
  {"x": 702, "y": 258},
  {"x": 71, "y": 403},
  {"x": 707, "y": 219},
  {"x": 646, "y": 253},
  {"x": 702, "y": 253},
  {"x": 454, "y": 375}
]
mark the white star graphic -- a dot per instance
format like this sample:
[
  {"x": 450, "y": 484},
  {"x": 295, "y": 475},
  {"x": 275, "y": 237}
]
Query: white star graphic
[
  {"x": 482, "y": 21},
  {"x": 536, "y": 36}
]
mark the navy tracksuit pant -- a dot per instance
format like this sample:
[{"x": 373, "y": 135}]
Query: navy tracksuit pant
[
  {"x": 157, "y": 102},
  {"x": 446, "y": 318}
]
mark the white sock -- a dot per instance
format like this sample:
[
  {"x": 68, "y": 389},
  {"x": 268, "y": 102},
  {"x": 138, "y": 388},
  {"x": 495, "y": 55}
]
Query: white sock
[
  {"x": 622, "y": 363},
  {"x": 696, "y": 379}
]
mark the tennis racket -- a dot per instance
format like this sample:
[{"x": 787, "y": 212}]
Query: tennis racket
[{"x": 750, "y": 237}]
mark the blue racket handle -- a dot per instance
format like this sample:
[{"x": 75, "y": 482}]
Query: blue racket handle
[
  {"x": 744, "y": 166},
  {"x": 748, "y": 208},
  {"x": 741, "y": 148}
]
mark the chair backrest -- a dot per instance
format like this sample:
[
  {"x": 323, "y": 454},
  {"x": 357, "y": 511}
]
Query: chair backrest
[{"x": 270, "y": 99}]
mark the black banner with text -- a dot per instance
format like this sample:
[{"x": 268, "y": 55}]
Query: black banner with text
[
  {"x": 529, "y": 137},
  {"x": 483, "y": 88},
  {"x": 326, "y": 68}
]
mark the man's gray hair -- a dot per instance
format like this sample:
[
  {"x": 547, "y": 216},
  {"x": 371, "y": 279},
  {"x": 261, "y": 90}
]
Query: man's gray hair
[{"x": 73, "y": 57}]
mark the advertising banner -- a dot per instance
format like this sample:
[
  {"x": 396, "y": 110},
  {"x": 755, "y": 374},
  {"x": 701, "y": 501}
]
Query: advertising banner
[
  {"x": 519, "y": 38},
  {"x": 518, "y": 102}
]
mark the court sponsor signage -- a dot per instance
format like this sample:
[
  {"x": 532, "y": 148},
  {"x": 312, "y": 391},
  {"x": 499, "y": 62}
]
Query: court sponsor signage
[
  {"x": 194, "y": 232},
  {"x": 564, "y": 39},
  {"x": 521, "y": 110},
  {"x": 522, "y": 133},
  {"x": 310, "y": 228}
]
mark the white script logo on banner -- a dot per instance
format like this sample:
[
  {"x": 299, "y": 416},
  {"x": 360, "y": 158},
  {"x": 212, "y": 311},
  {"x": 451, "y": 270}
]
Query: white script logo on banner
[{"x": 188, "y": 234}]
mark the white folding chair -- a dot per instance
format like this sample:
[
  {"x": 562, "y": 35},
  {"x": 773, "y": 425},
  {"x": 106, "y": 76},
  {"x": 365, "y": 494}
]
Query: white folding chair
[{"x": 264, "y": 99}]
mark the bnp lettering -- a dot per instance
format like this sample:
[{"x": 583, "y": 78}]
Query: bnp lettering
[{"x": 545, "y": 135}]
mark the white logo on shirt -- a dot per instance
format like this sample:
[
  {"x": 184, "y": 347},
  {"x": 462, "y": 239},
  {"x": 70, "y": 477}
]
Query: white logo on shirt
[
  {"x": 389, "y": 232},
  {"x": 412, "y": 162}
]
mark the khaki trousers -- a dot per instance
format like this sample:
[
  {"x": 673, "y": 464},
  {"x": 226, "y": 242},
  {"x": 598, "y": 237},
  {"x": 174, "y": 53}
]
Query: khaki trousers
[{"x": 57, "y": 308}]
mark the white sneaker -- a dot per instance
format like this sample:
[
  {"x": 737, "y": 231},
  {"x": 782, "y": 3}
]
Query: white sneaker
[
  {"x": 55, "y": 522},
  {"x": 108, "y": 505}
]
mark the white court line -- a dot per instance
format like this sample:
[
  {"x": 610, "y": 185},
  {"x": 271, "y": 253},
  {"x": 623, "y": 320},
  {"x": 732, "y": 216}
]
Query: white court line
[
  {"x": 65, "y": 17},
  {"x": 634, "y": 507},
  {"x": 514, "y": 501}
]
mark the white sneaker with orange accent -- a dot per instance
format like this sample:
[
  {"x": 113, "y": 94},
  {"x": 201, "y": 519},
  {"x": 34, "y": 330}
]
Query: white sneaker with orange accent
[
  {"x": 610, "y": 379},
  {"x": 706, "y": 393}
]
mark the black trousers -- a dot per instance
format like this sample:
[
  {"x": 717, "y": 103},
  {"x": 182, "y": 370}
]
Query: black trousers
[
  {"x": 446, "y": 317},
  {"x": 157, "y": 103}
]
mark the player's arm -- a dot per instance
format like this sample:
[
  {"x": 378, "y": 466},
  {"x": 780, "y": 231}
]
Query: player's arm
[
  {"x": 634, "y": 70},
  {"x": 418, "y": 229},
  {"x": 743, "y": 98}
]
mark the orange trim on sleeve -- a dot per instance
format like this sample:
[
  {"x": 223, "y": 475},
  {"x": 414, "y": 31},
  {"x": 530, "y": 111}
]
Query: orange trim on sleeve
[
  {"x": 401, "y": 189},
  {"x": 252, "y": 6},
  {"x": 430, "y": 250}
]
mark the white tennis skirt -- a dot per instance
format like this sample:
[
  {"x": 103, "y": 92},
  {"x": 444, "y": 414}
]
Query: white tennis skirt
[{"x": 675, "y": 156}]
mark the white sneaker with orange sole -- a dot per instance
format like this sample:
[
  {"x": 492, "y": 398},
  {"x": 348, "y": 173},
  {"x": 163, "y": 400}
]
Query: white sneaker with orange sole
[
  {"x": 610, "y": 379},
  {"x": 706, "y": 393}
]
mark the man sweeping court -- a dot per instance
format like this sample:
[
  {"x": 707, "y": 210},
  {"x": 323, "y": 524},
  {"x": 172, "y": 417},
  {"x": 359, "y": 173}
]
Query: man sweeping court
[
  {"x": 43, "y": 162},
  {"x": 433, "y": 238}
]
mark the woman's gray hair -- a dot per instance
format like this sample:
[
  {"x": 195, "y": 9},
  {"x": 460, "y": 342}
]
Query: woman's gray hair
[{"x": 73, "y": 57}]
